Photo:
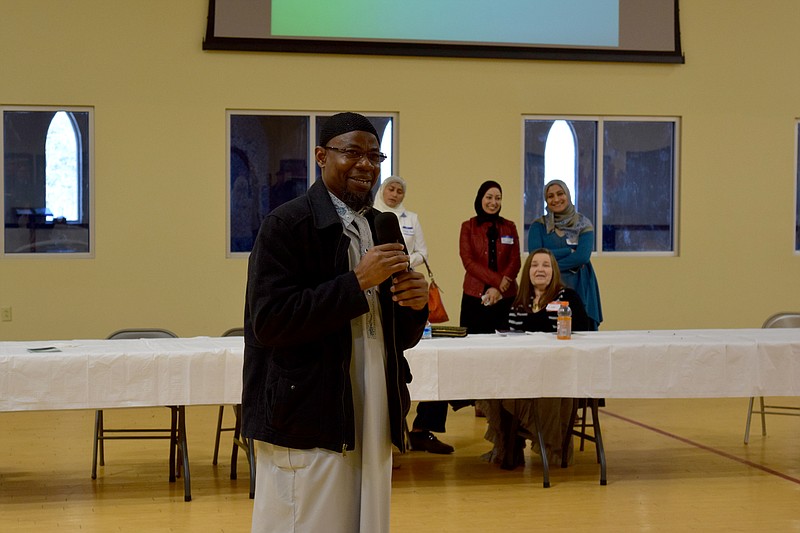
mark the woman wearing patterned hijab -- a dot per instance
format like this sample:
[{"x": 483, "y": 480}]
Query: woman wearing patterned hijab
[{"x": 569, "y": 235}]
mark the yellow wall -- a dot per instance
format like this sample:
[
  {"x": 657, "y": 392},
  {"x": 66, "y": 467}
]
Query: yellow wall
[{"x": 160, "y": 180}]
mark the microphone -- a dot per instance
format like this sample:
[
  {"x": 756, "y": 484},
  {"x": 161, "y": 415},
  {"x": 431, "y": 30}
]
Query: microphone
[{"x": 387, "y": 229}]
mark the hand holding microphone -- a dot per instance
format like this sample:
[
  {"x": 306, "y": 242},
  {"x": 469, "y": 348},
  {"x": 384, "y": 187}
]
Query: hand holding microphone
[
  {"x": 390, "y": 258},
  {"x": 380, "y": 262},
  {"x": 387, "y": 228},
  {"x": 384, "y": 259}
]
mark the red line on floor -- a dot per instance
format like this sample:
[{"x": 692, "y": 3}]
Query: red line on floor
[{"x": 703, "y": 447}]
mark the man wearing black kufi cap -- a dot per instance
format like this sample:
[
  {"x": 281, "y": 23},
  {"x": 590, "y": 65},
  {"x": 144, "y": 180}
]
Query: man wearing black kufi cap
[{"x": 327, "y": 317}]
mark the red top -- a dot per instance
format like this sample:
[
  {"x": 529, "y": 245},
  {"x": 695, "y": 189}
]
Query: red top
[{"x": 474, "y": 251}]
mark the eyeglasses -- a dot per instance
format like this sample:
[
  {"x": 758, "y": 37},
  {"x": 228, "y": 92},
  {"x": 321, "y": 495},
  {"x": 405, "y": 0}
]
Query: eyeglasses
[{"x": 376, "y": 158}]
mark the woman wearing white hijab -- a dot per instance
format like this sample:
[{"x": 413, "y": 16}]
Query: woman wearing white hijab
[{"x": 390, "y": 197}]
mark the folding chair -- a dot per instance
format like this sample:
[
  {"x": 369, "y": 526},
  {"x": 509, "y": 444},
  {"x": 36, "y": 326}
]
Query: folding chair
[
  {"x": 778, "y": 320},
  {"x": 577, "y": 426},
  {"x": 238, "y": 442},
  {"x": 176, "y": 433}
]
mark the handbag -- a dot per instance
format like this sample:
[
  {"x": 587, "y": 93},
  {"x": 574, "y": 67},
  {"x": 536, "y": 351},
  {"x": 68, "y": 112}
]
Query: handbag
[{"x": 436, "y": 310}]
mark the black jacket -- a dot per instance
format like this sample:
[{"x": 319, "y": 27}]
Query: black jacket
[{"x": 301, "y": 297}]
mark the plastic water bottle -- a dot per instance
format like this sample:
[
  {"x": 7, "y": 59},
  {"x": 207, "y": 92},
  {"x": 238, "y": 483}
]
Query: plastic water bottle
[
  {"x": 564, "y": 324},
  {"x": 426, "y": 333}
]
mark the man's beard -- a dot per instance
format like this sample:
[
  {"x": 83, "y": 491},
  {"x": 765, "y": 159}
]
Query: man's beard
[{"x": 356, "y": 201}]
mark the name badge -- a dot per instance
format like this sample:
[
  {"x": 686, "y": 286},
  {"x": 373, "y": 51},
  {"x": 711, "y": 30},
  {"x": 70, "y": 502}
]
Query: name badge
[
  {"x": 407, "y": 230},
  {"x": 506, "y": 239},
  {"x": 553, "y": 306}
]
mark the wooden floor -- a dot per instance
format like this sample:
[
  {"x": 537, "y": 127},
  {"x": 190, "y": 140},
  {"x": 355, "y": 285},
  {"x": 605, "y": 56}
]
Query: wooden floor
[{"x": 673, "y": 465}]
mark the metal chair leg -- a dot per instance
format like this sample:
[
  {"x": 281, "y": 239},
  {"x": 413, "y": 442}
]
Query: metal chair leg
[
  {"x": 584, "y": 406},
  {"x": 237, "y": 428},
  {"x": 101, "y": 435},
  {"x": 244, "y": 443},
  {"x": 597, "y": 438},
  {"x": 187, "y": 485},
  {"x": 173, "y": 442},
  {"x": 598, "y": 441},
  {"x": 251, "y": 459},
  {"x": 749, "y": 417},
  {"x": 542, "y": 447},
  {"x": 219, "y": 432},
  {"x": 762, "y": 412},
  {"x": 98, "y": 442}
]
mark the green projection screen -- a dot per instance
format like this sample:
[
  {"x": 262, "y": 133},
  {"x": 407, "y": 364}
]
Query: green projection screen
[{"x": 587, "y": 30}]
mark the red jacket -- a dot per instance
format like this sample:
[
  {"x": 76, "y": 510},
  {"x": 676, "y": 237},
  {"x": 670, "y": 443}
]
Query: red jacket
[{"x": 474, "y": 250}]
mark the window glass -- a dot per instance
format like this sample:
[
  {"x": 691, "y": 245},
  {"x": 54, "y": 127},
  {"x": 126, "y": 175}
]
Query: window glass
[
  {"x": 268, "y": 167},
  {"x": 559, "y": 156},
  {"x": 61, "y": 171},
  {"x": 271, "y": 162},
  {"x": 636, "y": 177},
  {"x": 46, "y": 186},
  {"x": 582, "y": 159}
]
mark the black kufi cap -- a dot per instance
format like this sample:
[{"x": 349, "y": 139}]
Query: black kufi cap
[{"x": 345, "y": 123}]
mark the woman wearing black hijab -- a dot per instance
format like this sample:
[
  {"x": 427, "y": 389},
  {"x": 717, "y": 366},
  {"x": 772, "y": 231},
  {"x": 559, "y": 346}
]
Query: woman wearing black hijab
[
  {"x": 490, "y": 252},
  {"x": 489, "y": 248}
]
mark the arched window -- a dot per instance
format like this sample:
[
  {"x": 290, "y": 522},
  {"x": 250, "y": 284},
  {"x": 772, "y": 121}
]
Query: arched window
[
  {"x": 559, "y": 156},
  {"x": 47, "y": 180},
  {"x": 386, "y": 147},
  {"x": 62, "y": 179},
  {"x": 621, "y": 171}
]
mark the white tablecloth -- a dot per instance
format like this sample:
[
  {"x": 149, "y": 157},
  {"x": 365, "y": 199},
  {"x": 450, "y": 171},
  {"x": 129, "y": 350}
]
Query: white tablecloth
[
  {"x": 610, "y": 364},
  {"x": 90, "y": 374}
]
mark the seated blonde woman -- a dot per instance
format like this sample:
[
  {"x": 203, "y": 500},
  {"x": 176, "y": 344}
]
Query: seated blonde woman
[{"x": 534, "y": 309}]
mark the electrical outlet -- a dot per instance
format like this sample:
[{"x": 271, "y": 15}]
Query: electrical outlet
[{"x": 5, "y": 314}]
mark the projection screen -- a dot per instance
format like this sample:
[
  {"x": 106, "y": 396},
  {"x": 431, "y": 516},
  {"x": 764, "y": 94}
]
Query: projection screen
[{"x": 583, "y": 30}]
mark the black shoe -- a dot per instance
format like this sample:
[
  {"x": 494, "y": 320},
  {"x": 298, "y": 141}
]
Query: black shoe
[{"x": 427, "y": 441}]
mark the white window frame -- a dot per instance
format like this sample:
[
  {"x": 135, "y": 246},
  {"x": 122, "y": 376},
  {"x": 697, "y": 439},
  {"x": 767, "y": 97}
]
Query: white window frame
[
  {"x": 90, "y": 205},
  {"x": 600, "y": 120},
  {"x": 796, "y": 180},
  {"x": 312, "y": 117}
]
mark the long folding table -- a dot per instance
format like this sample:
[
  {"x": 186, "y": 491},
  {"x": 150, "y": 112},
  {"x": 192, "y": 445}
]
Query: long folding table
[{"x": 712, "y": 363}]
